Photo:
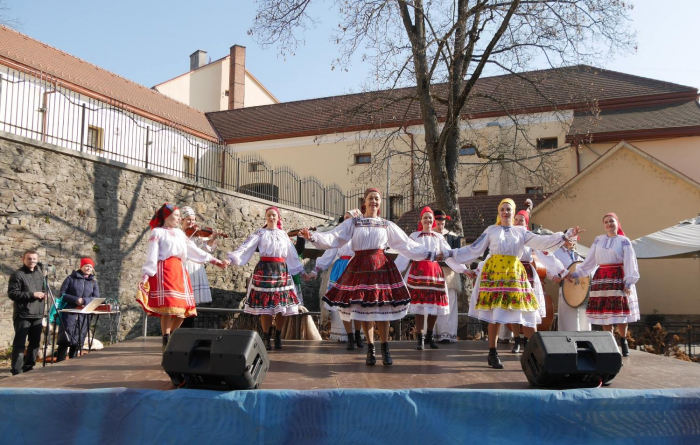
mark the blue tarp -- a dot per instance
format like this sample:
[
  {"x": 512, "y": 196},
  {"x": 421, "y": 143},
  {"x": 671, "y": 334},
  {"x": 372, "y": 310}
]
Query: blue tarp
[{"x": 419, "y": 416}]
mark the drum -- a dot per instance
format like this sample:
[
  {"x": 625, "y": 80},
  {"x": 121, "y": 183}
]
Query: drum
[
  {"x": 539, "y": 267},
  {"x": 546, "y": 324},
  {"x": 575, "y": 294}
]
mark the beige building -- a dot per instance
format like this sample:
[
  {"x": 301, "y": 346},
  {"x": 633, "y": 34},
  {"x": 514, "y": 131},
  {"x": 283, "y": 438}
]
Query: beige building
[
  {"x": 224, "y": 84},
  {"x": 648, "y": 195}
]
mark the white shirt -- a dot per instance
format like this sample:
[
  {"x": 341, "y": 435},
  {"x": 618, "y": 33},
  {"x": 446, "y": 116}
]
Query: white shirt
[
  {"x": 434, "y": 242},
  {"x": 507, "y": 240},
  {"x": 166, "y": 242},
  {"x": 611, "y": 250},
  {"x": 270, "y": 243},
  {"x": 371, "y": 234}
]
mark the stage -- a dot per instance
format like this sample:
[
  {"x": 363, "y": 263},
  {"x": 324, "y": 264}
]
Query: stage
[
  {"x": 313, "y": 365},
  {"x": 318, "y": 392}
]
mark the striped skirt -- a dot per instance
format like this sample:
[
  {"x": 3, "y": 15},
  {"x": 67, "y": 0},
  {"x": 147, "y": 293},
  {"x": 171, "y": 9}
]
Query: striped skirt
[
  {"x": 370, "y": 289},
  {"x": 271, "y": 290},
  {"x": 428, "y": 290}
]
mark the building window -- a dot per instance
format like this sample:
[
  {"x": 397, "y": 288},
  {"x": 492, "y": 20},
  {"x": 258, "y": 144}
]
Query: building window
[
  {"x": 533, "y": 190},
  {"x": 256, "y": 167},
  {"x": 226, "y": 93},
  {"x": 95, "y": 137},
  {"x": 188, "y": 167},
  {"x": 363, "y": 158},
  {"x": 480, "y": 192},
  {"x": 395, "y": 203},
  {"x": 547, "y": 143},
  {"x": 467, "y": 150}
]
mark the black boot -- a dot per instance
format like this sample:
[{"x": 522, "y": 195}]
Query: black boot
[
  {"x": 358, "y": 339},
  {"x": 351, "y": 342},
  {"x": 266, "y": 339},
  {"x": 493, "y": 360},
  {"x": 516, "y": 346},
  {"x": 431, "y": 340},
  {"x": 371, "y": 359},
  {"x": 524, "y": 343},
  {"x": 625, "y": 347},
  {"x": 166, "y": 338},
  {"x": 278, "y": 339},
  {"x": 420, "y": 342},
  {"x": 386, "y": 355}
]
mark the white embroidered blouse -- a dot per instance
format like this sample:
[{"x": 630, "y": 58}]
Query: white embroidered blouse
[
  {"x": 611, "y": 250},
  {"x": 166, "y": 242},
  {"x": 270, "y": 243},
  {"x": 434, "y": 242}
]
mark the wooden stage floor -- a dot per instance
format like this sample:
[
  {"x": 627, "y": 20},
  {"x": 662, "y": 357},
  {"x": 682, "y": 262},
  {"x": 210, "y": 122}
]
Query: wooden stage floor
[{"x": 309, "y": 365}]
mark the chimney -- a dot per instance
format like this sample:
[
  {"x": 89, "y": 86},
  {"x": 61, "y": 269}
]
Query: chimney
[
  {"x": 236, "y": 78},
  {"x": 198, "y": 59}
]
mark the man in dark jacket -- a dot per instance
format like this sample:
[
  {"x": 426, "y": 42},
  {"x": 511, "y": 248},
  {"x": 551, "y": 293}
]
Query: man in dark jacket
[{"x": 26, "y": 289}]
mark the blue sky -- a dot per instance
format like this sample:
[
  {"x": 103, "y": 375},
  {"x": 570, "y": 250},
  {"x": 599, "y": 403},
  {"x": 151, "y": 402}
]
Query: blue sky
[{"x": 149, "y": 41}]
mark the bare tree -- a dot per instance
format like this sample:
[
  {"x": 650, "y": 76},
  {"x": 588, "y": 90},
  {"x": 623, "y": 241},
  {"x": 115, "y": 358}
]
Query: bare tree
[
  {"x": 437, "y": 50},
  {"x": 5, "y": 19}
]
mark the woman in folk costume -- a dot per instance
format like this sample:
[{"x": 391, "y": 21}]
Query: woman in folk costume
[
  {"x": 169, "y": 293},
  {"x": 271, "y": 291},
  {"x": 613, "y": 296},
  {"x": 504, "y": 292},
  {"x": 197, "y": 271},
  {"x": 371, "y": 289},
  {"x": 522, "y": 219},
  {"x": 341, "y": 330},
  {"x": 425, "y": 280},
  {"x": 447, "y": 325}
]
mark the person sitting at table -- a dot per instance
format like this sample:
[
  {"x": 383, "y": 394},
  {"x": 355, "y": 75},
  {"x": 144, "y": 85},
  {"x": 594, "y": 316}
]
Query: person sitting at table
[{"x": 78, "y": 289}]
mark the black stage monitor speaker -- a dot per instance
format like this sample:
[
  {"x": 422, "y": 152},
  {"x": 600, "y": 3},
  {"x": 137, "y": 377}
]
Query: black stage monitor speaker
[
  {"x": 216, "y": 359},
  {"x": 571, "y": 359}
]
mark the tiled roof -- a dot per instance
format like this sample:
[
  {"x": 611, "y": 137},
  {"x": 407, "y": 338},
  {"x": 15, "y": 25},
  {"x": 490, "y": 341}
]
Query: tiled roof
[
  {"x": 49, "y": 60},
  {"x": 674, "y": 115},
  {"x": 563, "y": 87},
  {"x": 478, "y": 212}
]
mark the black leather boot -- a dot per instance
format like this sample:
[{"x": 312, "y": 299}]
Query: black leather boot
[
  {"x": 431, "y": 340},
  {"x": 358, "y": 340},
  {"x": 493, "y": 360},
  {"x": 371, "y": 359},
  {"x": 516, "y": 346},
  {"x": 386, "y": 355},
  {"x": 266, "y": 339},
  {"x": 524, "y": 342},
  {"x": 420, "y": 342},
  {"x": 166, "y": 338},
  {"x": 624, "y": 347},
  {"x": 278, "y": 339},
  {"x": 351, "y": 342}
]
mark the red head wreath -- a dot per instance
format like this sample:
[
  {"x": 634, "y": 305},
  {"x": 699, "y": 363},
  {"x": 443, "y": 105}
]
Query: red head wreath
[{"x": 425, "y": 210}]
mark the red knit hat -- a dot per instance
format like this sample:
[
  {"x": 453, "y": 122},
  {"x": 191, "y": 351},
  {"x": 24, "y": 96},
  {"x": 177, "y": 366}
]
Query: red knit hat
[
  {"x": 526, "y": 214},
  {"x": 87, "y": 260}
]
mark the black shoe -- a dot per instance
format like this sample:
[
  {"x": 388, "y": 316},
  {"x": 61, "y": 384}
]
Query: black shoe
[
  {"x": 625, "y": 347},
  {"x": 524, "y": 343},
  {"x": 278, "y": 339},
  {"x": 27, "y": 368},
  {"x": 494, "y": 360},
  {"x": 266, "y": 340},
  {"x": 358, "y": 340},
  {"x": 431, "y": 340},
  {"x": 386, "y": 355},
  {"x": 166, "y": 338},
  {"x": 371, "y": 359},
  {"x": 516, "y": 346},
  {"x": 420, "y": 342},
  {"x": 444, "y": 341},
  {"x": 351, "y": 342}
]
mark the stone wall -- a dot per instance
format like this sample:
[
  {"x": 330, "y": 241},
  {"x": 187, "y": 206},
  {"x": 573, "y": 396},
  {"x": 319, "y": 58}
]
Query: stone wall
[{"x": 66, "y": 205}]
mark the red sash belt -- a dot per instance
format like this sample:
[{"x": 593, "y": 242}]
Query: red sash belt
[
  {"x": 606, "y": 266},
  {"x": 272, "y": 259},
  {"x": 345, "y": 257}
]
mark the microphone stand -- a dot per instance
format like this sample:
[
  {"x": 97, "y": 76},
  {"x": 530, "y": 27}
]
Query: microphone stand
[{"x": 49, "y": 302}]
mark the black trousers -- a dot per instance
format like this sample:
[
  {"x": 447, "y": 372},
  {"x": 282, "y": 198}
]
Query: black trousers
[{"x": 25, "y": 327}]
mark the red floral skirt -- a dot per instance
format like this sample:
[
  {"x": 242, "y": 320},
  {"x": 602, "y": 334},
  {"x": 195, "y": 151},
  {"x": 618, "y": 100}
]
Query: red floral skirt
[
  {"x": 170, "y": 291},
  {"x": 271, "y": 289},
  {"x": 426, "y": 284},
  {"x": 607, "y": 299},
  {"x": 371, "y": 288}
]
